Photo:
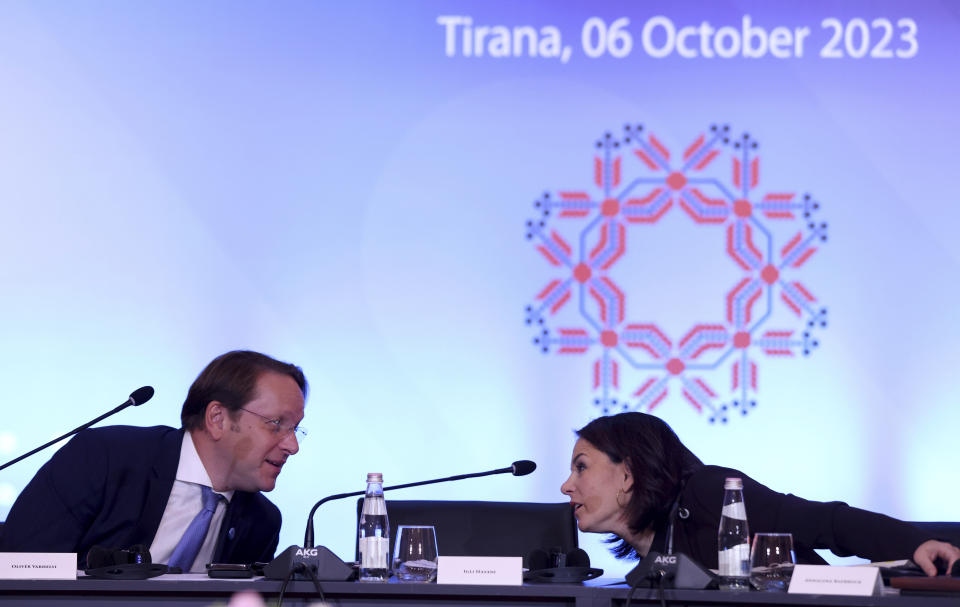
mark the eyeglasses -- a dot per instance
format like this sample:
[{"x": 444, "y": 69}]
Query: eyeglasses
[{"x": 279, "y": 428}]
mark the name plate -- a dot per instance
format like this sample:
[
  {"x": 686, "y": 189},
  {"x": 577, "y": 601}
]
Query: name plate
[
  {"x": 824, "y": 579},
  {"x": 38, "y": 565},
  {"x": 488, "y": 570}
]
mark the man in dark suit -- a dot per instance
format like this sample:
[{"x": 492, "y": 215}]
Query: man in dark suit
[{"x": 191, "y": 495}]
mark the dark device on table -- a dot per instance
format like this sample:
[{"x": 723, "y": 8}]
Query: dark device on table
[
  {"x": 132, "y": 563},
  {"x": 911, "y": 569},
  {"x": 230, "y": 570},
  {"x": 559, "y": 567}
]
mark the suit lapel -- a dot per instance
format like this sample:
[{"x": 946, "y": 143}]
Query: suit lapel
[
  {"x": 235, "y": 525},
  {"x": 159, "y": 484}
]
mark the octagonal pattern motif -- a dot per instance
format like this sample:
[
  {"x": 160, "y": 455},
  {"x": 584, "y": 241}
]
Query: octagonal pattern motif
[{"x": 714, "y": 182}]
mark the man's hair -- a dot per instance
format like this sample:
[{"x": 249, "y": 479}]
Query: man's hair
[
  {"x": 231, "y": 379},
  {"x": 656, "y": 458}
]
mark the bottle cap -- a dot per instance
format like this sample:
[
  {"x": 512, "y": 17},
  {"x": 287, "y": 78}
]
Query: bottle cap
[
  {"x": 374, "y": 477},
  {"x": 732, "y": 483}
]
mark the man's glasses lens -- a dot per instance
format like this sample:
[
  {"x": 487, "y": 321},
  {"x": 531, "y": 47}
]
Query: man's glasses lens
[{"x": 278, "y": 428}]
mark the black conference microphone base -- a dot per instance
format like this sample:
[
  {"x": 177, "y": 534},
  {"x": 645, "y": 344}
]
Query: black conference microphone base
[
  {"x": 324, "y": 564},
  {"x": 678, "y": 570}
]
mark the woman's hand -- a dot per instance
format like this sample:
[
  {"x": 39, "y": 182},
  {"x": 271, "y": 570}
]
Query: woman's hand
[{"x": 930, "y": 550}]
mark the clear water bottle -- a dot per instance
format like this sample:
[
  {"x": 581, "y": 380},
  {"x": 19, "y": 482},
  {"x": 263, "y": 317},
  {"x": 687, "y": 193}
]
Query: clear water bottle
[
  {"x": 734, "y": 538},
  {"x": 374, "y": 533}
]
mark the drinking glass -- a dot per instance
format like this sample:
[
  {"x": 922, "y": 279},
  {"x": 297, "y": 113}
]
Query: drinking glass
[
  {"x": 771, "y": 561},
  {"x": 415, "y": 556}
]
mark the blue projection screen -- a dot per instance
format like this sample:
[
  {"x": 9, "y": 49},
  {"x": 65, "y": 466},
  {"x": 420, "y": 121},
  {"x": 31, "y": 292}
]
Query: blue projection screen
[{"x": 478, "y": 225}]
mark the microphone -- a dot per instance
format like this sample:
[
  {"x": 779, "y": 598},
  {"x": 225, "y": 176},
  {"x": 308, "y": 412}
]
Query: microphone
[
  {"x": 518, "y": 468},
  {"x": 137, "y": 398},
  {"x": 523, "y": 467},
  {"x": 320, "y": 564}
]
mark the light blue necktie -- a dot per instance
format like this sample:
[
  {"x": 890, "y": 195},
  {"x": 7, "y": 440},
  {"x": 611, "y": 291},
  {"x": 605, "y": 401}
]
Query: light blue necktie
[{"x": 186, "y": 551}]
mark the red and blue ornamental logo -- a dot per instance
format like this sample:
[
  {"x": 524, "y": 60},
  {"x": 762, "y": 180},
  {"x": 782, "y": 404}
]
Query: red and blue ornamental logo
[{"x": 768, "y": 236}]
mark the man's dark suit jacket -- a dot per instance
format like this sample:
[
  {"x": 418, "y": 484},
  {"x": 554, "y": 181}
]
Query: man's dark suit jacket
[
  {"x": 109, "y": 487},
  {"x": 842, "y": 529}
]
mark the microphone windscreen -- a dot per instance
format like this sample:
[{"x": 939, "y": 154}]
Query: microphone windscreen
[
  {"x": 537, "y": 560},
  {"x": 141, "y": 395},
  {"x": 523, "y": 467},
  {"x": 578, "y": 558}
]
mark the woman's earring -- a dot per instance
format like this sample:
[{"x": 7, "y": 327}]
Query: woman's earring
[{"x": 620, "y": 493}]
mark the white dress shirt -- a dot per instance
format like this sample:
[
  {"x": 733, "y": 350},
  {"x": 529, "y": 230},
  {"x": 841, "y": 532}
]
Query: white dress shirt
[{"x": 184, "y": 503}]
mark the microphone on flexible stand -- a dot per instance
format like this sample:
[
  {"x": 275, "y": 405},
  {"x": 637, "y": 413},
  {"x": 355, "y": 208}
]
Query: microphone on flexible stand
[
  {"x": 518, "y": 468},
  {"x": 137, "y": 398},
  {"x": 325, "y": 565}
]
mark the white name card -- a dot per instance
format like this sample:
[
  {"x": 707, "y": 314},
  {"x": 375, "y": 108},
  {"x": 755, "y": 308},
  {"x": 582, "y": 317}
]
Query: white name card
[
  {"x": 490, "y": 570},
  {"x": 824, "y": 579},
  {"x": 38, "y": 565}
]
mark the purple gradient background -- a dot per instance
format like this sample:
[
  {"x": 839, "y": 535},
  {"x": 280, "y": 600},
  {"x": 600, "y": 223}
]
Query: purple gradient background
[{"x": 317, "y": 180}]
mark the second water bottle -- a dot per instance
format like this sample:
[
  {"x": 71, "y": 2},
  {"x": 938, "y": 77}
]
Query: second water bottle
[
  {"x": 733, "y": 538},
  {"x": 373, "y": 536}
]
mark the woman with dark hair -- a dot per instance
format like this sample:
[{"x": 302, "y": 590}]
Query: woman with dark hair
[{"x": 632, "y": 477}]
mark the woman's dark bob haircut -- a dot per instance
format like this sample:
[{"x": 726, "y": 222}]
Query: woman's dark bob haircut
[{"x": 656, "y": 458}]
